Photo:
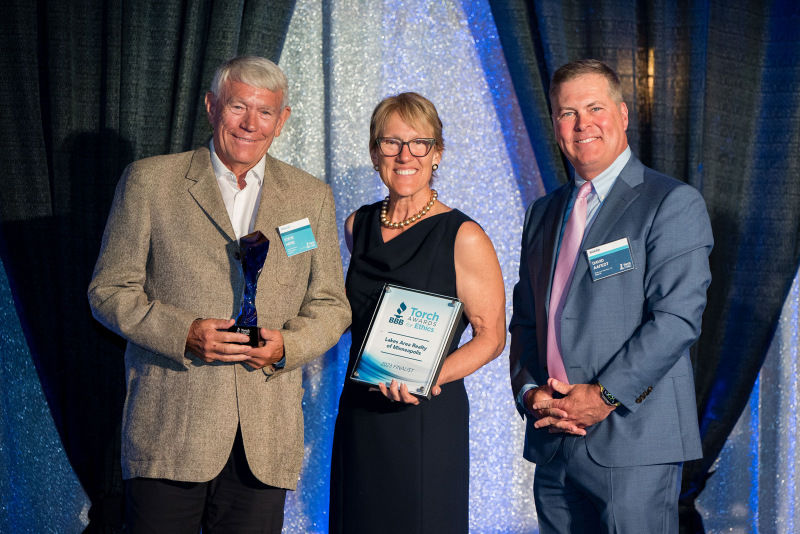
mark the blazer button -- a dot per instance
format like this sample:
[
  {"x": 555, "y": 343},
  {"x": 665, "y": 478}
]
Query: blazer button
[
  {"x": 639, "y": 400},
  {"x": 237, "y": 256},
  {"x": 649, "y": 389}
]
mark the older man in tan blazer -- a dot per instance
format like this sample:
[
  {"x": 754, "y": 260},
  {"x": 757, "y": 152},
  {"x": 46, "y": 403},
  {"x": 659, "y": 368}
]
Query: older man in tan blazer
[{"x": 212, "y": 430}]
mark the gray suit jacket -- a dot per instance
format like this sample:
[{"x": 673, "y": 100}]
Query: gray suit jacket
[
  {"x": 631, "y": 332},
  {"x": 169, "y": 256}
]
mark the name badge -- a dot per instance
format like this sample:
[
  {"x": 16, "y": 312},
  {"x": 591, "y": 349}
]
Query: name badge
[
  {"x": 297, "y": 237},
  {"x": 610, "y": 259}
]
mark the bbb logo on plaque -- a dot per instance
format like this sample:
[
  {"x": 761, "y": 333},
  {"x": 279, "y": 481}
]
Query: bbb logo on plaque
[
  {"x": 398, "y": 317},
  {"x": 417, "y": 319}
]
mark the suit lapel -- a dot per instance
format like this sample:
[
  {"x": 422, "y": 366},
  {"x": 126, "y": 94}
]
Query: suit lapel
[
  {"x": 616, "y": 203},
  {"x": 619, "y": 198},
  {"x": 205, "y": 190},
  {"x": 553, "y": 217}
]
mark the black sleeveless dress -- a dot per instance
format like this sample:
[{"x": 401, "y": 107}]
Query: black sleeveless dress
[{"x": 397, "y": 467}]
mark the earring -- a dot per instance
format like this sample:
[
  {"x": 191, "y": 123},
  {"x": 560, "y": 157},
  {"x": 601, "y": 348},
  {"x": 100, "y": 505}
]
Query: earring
[
  {"x": 376, "y": 167},
  {"x": 435, "y": 166}
]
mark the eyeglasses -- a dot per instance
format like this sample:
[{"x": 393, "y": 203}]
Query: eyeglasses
[{"x": 390, "y": 146}]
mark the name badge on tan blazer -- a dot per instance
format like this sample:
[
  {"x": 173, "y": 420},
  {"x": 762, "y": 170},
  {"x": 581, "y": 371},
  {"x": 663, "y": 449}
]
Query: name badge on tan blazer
[{"x": 297, "y": 237}]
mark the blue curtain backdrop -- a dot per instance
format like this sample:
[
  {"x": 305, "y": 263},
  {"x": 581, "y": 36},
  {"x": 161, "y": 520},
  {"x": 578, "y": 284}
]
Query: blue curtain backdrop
[{"x": 712, "y": 88}]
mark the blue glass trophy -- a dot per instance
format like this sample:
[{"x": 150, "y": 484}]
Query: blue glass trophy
[{"x": 253, "y": 248}]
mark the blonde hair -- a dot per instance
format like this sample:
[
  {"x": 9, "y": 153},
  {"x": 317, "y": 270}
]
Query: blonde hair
[{"x": 414, "y": 109}]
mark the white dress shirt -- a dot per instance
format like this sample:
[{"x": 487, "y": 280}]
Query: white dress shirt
[{"x": 241, "y": 204}]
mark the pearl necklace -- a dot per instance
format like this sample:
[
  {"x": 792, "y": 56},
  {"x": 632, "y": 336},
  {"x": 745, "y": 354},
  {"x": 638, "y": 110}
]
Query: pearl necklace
[{"x": 414, "y": 218}]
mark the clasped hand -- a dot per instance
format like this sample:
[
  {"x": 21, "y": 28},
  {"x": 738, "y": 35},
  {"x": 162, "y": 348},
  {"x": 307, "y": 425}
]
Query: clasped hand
[
  {"x": 580, "y": 407},
  {"x": 210, "y": 341}
]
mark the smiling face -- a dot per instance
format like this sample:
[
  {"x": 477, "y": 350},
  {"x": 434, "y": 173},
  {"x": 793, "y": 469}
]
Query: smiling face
[
  {"x": 589, "y": 125},
  {"x": 406, "y": 175},
  {"x": 245, "y": 120}
]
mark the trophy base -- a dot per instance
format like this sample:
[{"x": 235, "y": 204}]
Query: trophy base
[{"x": 251, "y": 331}]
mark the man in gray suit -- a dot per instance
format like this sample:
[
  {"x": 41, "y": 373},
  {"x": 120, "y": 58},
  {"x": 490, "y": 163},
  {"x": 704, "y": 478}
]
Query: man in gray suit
[
  {"x": 212, "y": 431},
  {"x": 613, "y": 278}
]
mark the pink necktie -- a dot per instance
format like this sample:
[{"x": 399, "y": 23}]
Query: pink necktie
[{"x": 570, "y": 243}]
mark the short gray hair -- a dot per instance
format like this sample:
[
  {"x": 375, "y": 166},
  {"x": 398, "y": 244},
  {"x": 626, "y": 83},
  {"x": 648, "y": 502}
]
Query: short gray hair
[{"x": 252, "y": 70}]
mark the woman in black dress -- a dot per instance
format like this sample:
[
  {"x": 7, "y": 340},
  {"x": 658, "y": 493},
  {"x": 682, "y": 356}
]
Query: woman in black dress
[{"x": 400, "y": 464}]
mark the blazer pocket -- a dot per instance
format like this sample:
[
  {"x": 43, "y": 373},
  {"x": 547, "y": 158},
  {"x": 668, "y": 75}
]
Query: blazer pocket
[{"x": 153, "y": 426}]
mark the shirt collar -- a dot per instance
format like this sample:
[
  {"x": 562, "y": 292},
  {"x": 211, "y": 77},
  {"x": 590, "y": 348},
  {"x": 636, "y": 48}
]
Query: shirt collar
[
  {"x": 223, "y": 172},
  {"x": 603, "y": 182}
]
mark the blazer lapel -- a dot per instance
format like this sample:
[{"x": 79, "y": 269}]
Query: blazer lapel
[
  {"x": 619, "y": 198},
  {"x": 205, "y": 190},
  {"x": 271, "y": 204},
  {"x": 553, "y": 218},
  {"x": 616, "y": 203},
  {"x": 272, "y": 213}
]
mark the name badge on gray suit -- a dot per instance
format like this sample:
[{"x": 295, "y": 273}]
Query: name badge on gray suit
[{"x": 610, "y": 259}]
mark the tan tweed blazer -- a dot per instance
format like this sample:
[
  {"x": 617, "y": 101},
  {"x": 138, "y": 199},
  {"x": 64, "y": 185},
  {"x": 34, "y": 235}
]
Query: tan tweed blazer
[{"x": 169, "y": 256}]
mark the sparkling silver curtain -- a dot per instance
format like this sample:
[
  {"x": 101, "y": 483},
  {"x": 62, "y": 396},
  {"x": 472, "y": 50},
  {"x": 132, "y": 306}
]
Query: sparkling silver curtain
[
  {"x": 39, "y": 491},
  {"x": 341, "y": 59},
  {"x": 756, "y": 483}
]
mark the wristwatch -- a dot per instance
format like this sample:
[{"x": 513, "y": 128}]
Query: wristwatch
[{"x": 608, "y": 398}]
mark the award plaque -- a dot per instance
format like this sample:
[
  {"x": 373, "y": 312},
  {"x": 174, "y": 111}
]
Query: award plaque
[
  {"x": 253, "y": 248},
  {"x": 407, "y": 339}
]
